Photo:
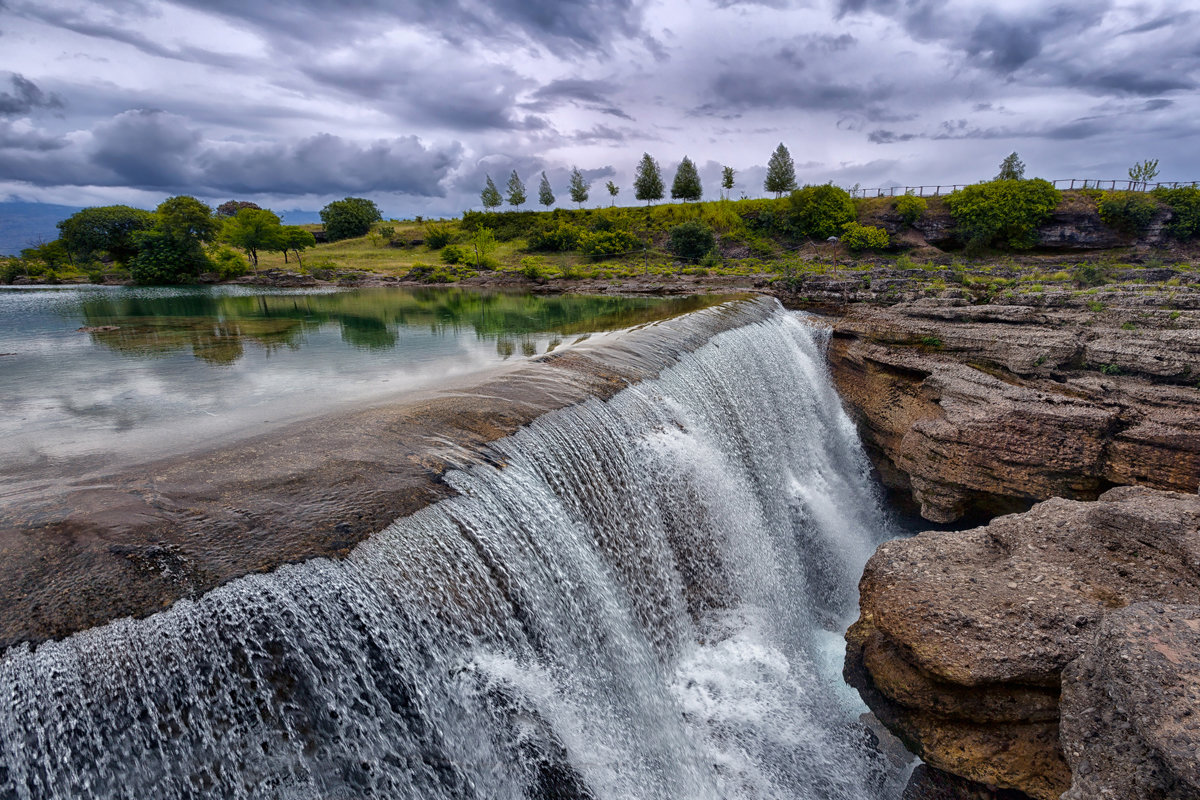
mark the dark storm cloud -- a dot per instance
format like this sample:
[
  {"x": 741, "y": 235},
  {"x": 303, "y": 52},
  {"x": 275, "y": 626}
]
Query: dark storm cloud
[
  {"x": 882, "y": 136},
  {"x": 154, "y": 150},
  {"x": 12, "y": 137},
  {"x": 562, "y": 25},
  {"x": 25, "y": 96},
  {"x": 779, "y": 88},
  {"x": 1162, "y": 22},
  {"x": 590, "y": 94}
]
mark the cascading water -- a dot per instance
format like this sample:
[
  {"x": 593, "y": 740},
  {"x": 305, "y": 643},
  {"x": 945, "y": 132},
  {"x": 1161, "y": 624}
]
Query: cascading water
[{"x": 641, "y": 598}]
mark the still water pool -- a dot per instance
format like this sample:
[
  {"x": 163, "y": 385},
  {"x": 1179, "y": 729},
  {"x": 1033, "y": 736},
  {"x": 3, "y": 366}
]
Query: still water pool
[{"x": 92, "y": 375}]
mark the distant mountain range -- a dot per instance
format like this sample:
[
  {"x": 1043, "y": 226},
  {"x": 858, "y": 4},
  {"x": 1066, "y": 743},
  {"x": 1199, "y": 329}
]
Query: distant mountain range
[{"x": 25, "y": 224}]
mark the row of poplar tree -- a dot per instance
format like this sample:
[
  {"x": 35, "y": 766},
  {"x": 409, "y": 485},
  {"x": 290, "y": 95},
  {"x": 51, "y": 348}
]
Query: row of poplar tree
[{"x": 648, "y": 183}]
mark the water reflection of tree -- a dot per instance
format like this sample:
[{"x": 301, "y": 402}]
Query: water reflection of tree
[{"x": 216, "y": 328}]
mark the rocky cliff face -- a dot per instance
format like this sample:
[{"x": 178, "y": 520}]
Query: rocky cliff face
[
  {"x": 990, "y": 408},
  {"x": 964, "y": 637}
]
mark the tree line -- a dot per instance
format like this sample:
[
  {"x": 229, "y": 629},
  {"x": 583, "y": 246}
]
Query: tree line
[{"x": 648, "y": 183}]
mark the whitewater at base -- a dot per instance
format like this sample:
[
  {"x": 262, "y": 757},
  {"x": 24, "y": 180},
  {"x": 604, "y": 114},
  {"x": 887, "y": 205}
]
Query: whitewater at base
[{"x": 638, "y": 598}]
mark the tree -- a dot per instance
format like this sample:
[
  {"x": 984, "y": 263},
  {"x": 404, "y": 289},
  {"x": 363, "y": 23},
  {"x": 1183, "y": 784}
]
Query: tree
[
  {"x": 490, "y": 195},
  {"x": 1144, "y": 172},
  {"x": 821, "y": 211},
  {"x": 254, "y": 229},
  {"x": 686, "y": 185},
  {"x": 187, "y": 219},
  {"x": 613, "y": 191},
  {"x": 230, "y": 207},
  {"x": 578, "y": 186},
  {"x": 781, "y": 172},
  {"x": 1012, "y": 168},
  {"x": 344, "y": 219},
  {"x": 516, "y": 190},
  {"x": 164, "y": 258},
  {"x": 727, "y": 174},
  {"x": 647, "y": 181},
  {"x": 295, "y": 238},
  {"x": 545, "y": 193},
  {"x": 104, "y": 229}
]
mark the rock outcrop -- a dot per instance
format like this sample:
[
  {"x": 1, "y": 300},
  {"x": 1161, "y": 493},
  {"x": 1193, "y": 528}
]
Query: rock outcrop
[
  {"x": 1131, "y": 707},
  {"x": 963, "y": 637},
  {"x": 990, "y": 408}
]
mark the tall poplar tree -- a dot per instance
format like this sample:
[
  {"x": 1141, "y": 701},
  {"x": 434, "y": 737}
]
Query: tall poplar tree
[
  {"x": 648, "y": 182},
  {"x": 686, "y": 185},
  {"x": 516, "y": 190},
  {"x": 578, "y": 186},
  {"x": 545, "y": 193},
  {"x": 613, "y": 191},
  {"x": 727, "y": 174},
  {"x": 781, "y": 172},
  {"x": 490, "y": 195}
]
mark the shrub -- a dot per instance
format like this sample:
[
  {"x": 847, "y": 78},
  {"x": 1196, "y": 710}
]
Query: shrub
[
  {"x": 910, "y": 208},
  {"x": 608, "y": 243},
  {"x": 691, "y": 240},
  {"x": 863, "y": 237},
  {"x": 1128, "y": 212},
  {"x": 560, "y": 238},
  {"x": 162, "y": 258},
  {"x": 507, "y": 225},
  {"x": 349, "y": 217},
  {"x": 228, "y": 263},
  {"x": 1185, "y": 211},
  {"x": 10, "y": 268},
  {"x": 438, "y": 235},
  {"x": 533, "y": 267},
  {"x": 1003, "y": 213},
  {"x": 453, "y": 254},
  {"x": 1090, "y": 274},
  {"x": 821, "y": 211}
]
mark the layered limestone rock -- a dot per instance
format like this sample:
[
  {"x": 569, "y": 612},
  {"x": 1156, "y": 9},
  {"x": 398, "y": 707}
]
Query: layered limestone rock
[
  {"x": 989, "y": 408},
  {"x": 964, "y": 636},
  {"x": 1131, "y": 707}
]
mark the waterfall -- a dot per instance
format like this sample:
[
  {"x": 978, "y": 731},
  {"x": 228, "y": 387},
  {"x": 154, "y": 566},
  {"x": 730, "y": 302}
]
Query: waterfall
[{"x": 634, "y": 598}]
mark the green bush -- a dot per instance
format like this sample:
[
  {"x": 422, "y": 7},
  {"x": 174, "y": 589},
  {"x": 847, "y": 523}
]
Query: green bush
[
  {"x": 438, "y": 235},
  {"x": 1128, "y": 212},
  {"x": 507, "y": 225},
  {"x": 821, "y": 211},
  {"x": 691, "y": 240},
  {"x": 454, "y": 254},
  {"x": 863, "y": 237},
  {"x": 558, "y": 238},
  {"x": 1090, "y": 274},
  {"x": 10, "y": 268},
  {"x": 228, "y": 263},
  {"x": 533, "y": 267},
  {"x": 910, "y": 208},
  {"x": 608, "y": 243},
  {"x": 1185, "y": 211},
  {"x": 1002, "y": 213},
  {"x": 162, "y": 259}
]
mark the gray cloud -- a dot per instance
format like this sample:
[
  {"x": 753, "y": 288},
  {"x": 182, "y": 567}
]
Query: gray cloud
[
  {"x": 25, "y": 97},
  {"x": 591, "y": 94}
]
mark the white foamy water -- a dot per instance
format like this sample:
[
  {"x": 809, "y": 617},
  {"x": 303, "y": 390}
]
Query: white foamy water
[{"x": 643, "y": 598}]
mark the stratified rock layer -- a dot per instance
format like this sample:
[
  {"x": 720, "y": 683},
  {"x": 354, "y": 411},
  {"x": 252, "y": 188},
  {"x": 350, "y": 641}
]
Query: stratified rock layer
[
  {"x": 1131, "y": 707},
  {"x": 963, "y": 637},
  {"x": 992, "y": 408}
]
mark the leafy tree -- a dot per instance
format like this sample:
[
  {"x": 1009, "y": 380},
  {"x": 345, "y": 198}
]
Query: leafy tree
[
  {"x": 230, "y": 207},
  {"x": 254, "y": 229},
  {"x": 727, "y": 175},
  {"x": 686, "y": 185},
  {"x": 545, "y": 193},
  {"x": 187, "y": 219},
  {"x": 1012, "y": 168},
  {"x": 53, "y": 254},
  {"x": 104, "y": 229},
  {"x": 1144, "y": 172},
  {"x": 490, "y": 195},
  {"x": 516, "y": 190},
  {"x": 578, "y": 187},
  {"x": 648, "y": 182},
  {"x": 613, "y": 191},
  {"x": 344, "y": 219},
  {"x": 821, "y": 211},
  {"x": 295, "y": 238},
  {"x": 781, "y": 172},
  {"x": 863, "y": 237},
  {"x": 484, "y": 242},
  {"x": 910, "y": 208},
  {"x": 164, "y": 258},
  {"x": 1005, "y": 213},
  {"x": 692, "y": 240}
]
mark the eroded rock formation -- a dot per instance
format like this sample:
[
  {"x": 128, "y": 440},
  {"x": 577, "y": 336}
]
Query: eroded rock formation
[
  {"x": 964, "y": 636},
  {"x": 989, "y": 408}
]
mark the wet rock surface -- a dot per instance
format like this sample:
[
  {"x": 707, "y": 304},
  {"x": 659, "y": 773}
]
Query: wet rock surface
[
  {"x": 135, "y": 541},
  {"x": 964, "y": 636},
  {"x": 989, "y": 408}
]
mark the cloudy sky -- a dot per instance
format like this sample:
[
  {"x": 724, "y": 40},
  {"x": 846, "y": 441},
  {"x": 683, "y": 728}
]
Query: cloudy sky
[{"x": 412, "y": 102}]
